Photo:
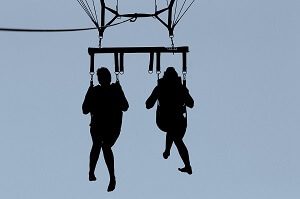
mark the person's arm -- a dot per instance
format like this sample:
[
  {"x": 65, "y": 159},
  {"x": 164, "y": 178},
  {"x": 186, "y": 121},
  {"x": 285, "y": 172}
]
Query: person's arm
[
  {"x": 86, "y": 105},
  {"x": 123, "y": 101},
  {"x": 152, "y": 98},
  {"x": 189, "y": 101}
]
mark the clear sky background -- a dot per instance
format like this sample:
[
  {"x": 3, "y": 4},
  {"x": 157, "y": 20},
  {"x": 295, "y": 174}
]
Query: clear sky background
[{"x": 243, "y": 133}]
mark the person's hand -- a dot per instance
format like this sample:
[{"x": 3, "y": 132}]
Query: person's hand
[
  {"x": 90, "y": 88},
  {"x": 91, "y": 84}
]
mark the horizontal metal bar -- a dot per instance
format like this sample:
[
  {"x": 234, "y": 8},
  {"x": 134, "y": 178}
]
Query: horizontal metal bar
[
  {"x": 137, "y": 15},
  {"x": 181, "y": 49}
]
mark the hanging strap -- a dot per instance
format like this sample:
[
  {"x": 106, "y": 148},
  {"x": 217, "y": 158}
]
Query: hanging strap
[
  {"x": 121, "y": 63},
  {"x": 92, "y": 68},
  {"x": 150, "y": 70},
  {"x": 184, "y": 72},
  {"x": 158, "y": 63},
  {"x": 184, "y": 63},
  {"x": 158, "y": 70},
  {"x": 117, "y": 69}
]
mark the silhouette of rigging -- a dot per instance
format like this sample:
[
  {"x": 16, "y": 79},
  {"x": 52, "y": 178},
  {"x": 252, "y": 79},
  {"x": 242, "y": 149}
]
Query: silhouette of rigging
[
  {"x": 106, "y": 103},
  {"x": 100, "y": 22},
  {"x": 172, "y": 98}
]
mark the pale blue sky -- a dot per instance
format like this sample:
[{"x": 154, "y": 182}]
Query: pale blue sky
[{"x": 243, "y": 134}]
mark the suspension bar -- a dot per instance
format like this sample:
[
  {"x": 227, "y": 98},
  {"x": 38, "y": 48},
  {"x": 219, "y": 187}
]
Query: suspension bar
[
  {"x": 119, "y": 53},
  {"x": 167, "y": 24},
  {"x": 181, "y": 49}
]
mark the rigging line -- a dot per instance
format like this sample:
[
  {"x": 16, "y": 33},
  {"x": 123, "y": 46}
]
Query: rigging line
[
  {"x": 118, "y": 23},
  {"x": 95, "y": 12},
  {"x": 184, "y": 12},
  {"x": 180, "y": 10},
  {"x": 88, "y": 13},
  {"x": 175, "y": 12},
  {"x": 44, "y": 30},
  {"x": 83, "y": 6},
  {"x": 90, "y": 9},
  {"x": 59, "y": 30}
]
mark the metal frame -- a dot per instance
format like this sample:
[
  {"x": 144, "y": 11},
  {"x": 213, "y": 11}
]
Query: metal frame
[
  {"x": 134, "y": 16},
  {"x": 120, "y": 51}
]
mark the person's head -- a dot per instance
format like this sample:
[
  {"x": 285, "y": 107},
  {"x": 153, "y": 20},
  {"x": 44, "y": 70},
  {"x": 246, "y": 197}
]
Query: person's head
[
  {"x": 104, "y": 76},
  {"x": 171, "y": 74}
]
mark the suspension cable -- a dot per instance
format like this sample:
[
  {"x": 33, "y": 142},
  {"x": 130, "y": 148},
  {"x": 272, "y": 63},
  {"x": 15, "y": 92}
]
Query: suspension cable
[
  {"x": 45, "y": 30},
  {"x": 95, "y": 12},
  {"x": 59, "y": 30},
  {"x": 175, "y": 12},
  {"x": 180, "y": 10},
  {"x": 90, "y": 10},
  {"x": 184, "y": 12},
  {"x": 84, "y": 7},
  {"x": 94, "y": 19}
]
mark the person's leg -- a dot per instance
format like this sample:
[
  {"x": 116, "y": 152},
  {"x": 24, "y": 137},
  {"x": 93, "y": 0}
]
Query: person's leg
[
  {"x": 94, "y": 154},
  {"x": 184, "y": 154},
  {"x": 109, "y": 160},
  {"x": 169, "y": 142}
]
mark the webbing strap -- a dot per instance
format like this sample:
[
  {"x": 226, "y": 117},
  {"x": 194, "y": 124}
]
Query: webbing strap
[
  {"x": 184, "y": 64},
  {"x": 121, "y": 63},
  {"x": 158, "y": 63},
  {"x": 117, "y": 70},
  {"x": 92, "y": 63},
  {"x": 150, "y": 70}
]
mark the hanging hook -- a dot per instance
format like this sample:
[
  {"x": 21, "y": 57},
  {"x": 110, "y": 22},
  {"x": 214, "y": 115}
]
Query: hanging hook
[
  {"x": 184, "y": 78},
  {"x": 133, "y": 19},
  {"x": 184, "y": 75},
  {"x": 172, "y": 41},
  {"x": 117, "y": 76},
  {"x": 100, "y": 41}
]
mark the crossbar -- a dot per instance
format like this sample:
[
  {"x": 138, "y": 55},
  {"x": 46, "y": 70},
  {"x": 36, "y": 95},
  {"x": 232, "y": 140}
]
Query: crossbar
[
  {"x": 101, "y": 28},
  {"x": 120, "y": 51},
  {"x": 181, "y": 49}
]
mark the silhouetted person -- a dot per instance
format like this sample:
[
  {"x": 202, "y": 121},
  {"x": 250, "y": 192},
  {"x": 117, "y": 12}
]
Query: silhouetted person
[
  {"x": 106, "y": 103},
  {"x": 172, "y": 97}
]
